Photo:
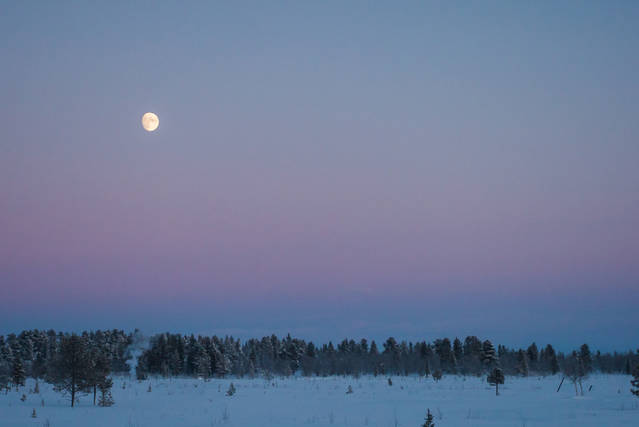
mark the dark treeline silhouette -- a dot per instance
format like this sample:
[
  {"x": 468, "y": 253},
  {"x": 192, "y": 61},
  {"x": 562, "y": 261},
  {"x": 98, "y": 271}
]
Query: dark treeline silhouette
[
  {"x": 203, "y": 356},
  {"x": 82, "y": 363}
]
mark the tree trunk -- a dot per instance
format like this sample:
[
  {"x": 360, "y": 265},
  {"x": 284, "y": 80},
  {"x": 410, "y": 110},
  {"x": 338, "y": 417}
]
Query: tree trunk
[
  {"x": 72, "y": 394},
  {"x": 497, "y": 389},
  {"x": 95, "y": 390}
]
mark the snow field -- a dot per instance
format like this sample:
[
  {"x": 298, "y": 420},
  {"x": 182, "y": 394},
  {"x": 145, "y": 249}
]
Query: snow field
[{"x": 297, "y": 401}]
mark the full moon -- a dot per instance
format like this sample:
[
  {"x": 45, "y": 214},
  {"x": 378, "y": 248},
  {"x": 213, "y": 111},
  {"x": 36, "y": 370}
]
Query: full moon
[{"x": 150, "y": 122}]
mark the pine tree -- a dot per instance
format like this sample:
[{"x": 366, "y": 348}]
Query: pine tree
[
  {"x": 17, "y": 373},
  {"x": 428, "y": 420},
  {"x": 635, "y": 381},
  {"x": 69, "y": 370},
  {"x": 106, "y": 399},
  {"x": 495, "y": 378}
]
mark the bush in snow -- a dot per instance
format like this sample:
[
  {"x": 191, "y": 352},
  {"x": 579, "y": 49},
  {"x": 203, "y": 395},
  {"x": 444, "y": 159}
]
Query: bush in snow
[{"x": 231, "y": 390}]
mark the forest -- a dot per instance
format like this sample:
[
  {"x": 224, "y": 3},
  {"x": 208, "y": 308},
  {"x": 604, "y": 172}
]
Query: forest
[{"x": 84, "y": 363}]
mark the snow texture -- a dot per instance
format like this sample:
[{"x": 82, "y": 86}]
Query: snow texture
[{"x": 296, "y": 401}]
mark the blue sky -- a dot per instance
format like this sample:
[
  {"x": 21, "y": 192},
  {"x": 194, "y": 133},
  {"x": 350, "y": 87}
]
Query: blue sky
[{"x": 326, "y": 168}]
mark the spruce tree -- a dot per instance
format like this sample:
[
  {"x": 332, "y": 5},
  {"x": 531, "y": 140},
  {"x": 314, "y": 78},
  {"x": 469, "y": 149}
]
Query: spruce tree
[
  {"x": 533, "y": 356},
  {"x": 17, "y": 373},
  {"x": 488, "y": 355},
  {"x": 428, "y": 420},
  {"x": 495, "y": 378},
  {"x": 586, "y": 358},
  {"x": 106, "y": 399}
]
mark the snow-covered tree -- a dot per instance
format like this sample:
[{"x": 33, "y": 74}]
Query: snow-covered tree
[
  {"x": 635, "y": 381},
  {"x": 69, "y": 370},
  {"x": 488, "y": 355},
  {"x": 106, "y": 399}
]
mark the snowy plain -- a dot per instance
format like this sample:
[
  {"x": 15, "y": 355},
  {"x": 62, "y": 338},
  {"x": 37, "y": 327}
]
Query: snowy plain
[{"x": 297, "y": 401}]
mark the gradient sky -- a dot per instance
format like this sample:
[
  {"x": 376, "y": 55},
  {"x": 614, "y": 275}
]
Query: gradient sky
[{"x": 415, "y": 169}]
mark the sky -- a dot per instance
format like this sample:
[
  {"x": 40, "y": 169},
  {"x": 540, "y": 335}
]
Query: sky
[{"x": 328, "y": 169}]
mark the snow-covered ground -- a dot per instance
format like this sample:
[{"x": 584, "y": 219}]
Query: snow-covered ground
[{"x": 454, "y": 401}]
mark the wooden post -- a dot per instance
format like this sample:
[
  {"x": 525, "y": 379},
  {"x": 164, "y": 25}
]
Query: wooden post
[{"x": 562, "y": 381}]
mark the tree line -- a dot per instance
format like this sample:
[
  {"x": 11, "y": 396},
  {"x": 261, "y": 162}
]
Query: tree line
[
  {"x": 203, "y": 356},
  {"x": 73, "y": 364},
  {"x": 83, "y": 363}
]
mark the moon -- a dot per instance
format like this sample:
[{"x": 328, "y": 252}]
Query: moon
[{"x": 150, "y": 122}]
